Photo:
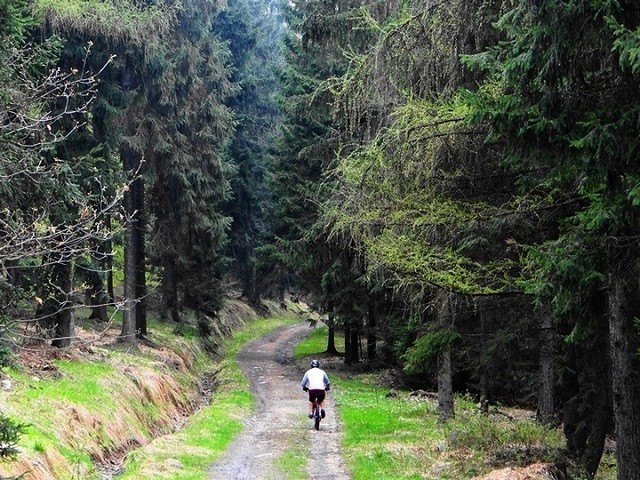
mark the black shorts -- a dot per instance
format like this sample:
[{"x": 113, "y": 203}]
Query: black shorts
[{"x": 313, "y": 394}]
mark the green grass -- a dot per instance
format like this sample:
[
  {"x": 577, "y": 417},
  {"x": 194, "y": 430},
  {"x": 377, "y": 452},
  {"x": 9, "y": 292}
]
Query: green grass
[
  {"x": 316, "y": 343},
  {"x": 79, "y": 384},
  {"x": 210, "y": 431},
  {"x": 71, "y": 404},
  {"x": 294, "y": 461},
  {"x": 38, "y": 401},
  {"x": 384, "y": 438}
]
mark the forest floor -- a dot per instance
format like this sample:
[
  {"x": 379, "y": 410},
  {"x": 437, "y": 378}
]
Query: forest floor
[{"x": 280, "y": 421}]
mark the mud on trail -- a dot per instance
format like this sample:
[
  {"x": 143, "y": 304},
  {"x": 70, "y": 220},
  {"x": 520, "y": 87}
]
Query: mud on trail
[{"x": 280, "y": 420}]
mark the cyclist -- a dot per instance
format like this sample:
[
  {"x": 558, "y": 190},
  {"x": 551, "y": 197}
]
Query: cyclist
[{"x": 316, "y": 382}]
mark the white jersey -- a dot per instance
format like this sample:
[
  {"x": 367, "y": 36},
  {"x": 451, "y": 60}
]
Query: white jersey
[{"x": 315, "y": 379}]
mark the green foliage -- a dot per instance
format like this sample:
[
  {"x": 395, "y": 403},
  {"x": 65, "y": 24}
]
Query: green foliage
[
  {"x": 562, "y": 96},
  {"x": 254, "y": 41},
  {"x": 523, "y": 436},
  {"x": 398, "y": 200},
  {"x": 10, "y": 433},
  {"x": 6, "y": 356},
  {"x": 308, "y": 140},
  {"x": 115, "y": 21},
  {"x": 626, "y": 44},
  {"x": 537, "y": 93},
  {"x": 177, "y": 121},
  {"x": 15, "y": 22},
  {"x": 55, "y": 201},
  {"x": 427, "y": 347},
  {"x": 563, "y": 270}
]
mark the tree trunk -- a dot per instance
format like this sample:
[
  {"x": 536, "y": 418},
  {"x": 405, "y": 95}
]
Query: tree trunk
[
  {"x": 169, "y": 291},
  {"x": 104, "y": 260},
  {"x": 445, "y": 386},
  {"x": 130, "y": 161},
  {"x": 98, "y": 298},
  {"x": 250, "y": 290},
  {"x": 109, "y": 261},
  {"x": 96, "y": 293},
  {"x": 625, "y": 371},
  {"x": 546, "y": 399},
  {"x": 138, "y": 231},
  {"x": 599, "y": 419},
  {"x": 355, "y": 345},
  {"x": 130, "y": 165},
  {"x": 371, "y": 332},
  {"x": 569, "y": 396},
  {"x": 351, "y": 343},
  {"x": 482, "y": 309},
  {"x": 445, "y": 369},
  {"x": 347, "y": 342},
  {"x": 331, "y": 335},
  {"x": 63, "y": 279},
  {"x": 128, "y": 334}
]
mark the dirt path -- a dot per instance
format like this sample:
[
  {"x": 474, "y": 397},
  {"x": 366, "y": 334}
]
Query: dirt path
[{"x": 280, "y": 422}]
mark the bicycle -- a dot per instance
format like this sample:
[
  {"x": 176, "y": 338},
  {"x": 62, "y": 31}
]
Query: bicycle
[{"x": 316, "y": 413}]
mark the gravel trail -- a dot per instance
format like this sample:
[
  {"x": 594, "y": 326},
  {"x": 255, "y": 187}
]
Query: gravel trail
[{"x": 280, "y": 422}]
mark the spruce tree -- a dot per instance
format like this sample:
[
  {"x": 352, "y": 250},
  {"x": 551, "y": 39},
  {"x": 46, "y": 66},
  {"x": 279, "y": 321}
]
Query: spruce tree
[
  {"x": 184, "y": 128},
  {"x": 417, "y": 191},
  {"x": 309, "y": 140},
  {"x": 562, "y": 94},
  {"x": 53, "y": 204},
  {"x": 252, "y": 30}
]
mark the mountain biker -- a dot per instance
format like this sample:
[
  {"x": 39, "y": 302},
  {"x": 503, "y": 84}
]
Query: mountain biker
[{"x": 316, "y": 382}]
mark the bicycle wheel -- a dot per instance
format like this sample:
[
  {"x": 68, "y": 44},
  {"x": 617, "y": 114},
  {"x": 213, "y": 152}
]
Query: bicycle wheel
[{"x": 316, "y": 417}]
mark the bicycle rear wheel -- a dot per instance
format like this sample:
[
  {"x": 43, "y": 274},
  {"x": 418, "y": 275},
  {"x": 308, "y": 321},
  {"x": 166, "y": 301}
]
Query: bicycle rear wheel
[{"x": 316, "y": 417}]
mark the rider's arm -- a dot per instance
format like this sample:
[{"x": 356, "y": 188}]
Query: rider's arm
[
  {"x": 304, "y": 381},
  {"x": 327, "y": 383}
]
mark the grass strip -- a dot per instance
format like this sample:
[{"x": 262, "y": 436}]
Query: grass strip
[
  {"x": 293, "y": 462},
  {"x": 316, "y": 343},
  {"x": 71, "y": 401}
]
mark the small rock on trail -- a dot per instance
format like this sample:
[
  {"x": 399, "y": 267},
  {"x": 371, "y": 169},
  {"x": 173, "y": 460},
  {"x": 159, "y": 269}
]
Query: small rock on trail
[{"x": 279, "y": 421}]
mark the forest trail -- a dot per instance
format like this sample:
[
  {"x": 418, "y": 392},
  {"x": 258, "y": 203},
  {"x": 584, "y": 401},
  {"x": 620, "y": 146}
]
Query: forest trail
[{"x": 279, "y": 423}]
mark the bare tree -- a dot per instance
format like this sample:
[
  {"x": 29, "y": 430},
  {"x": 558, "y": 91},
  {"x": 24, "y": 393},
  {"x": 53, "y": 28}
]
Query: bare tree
[{"x": 47, "y": 219}]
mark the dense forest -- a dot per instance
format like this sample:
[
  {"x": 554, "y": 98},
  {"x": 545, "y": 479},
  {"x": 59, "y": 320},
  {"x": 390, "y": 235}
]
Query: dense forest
[{"x": 453, "y": 184}]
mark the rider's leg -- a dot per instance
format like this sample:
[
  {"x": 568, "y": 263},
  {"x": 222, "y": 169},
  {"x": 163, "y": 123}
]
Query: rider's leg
[{"x": 310, "y": 409}]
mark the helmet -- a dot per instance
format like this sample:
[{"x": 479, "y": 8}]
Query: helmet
[{"x": 315, "y": 363}]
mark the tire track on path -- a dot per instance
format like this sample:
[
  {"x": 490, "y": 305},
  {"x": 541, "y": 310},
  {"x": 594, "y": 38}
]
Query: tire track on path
[{"x": 280, "y": 417}]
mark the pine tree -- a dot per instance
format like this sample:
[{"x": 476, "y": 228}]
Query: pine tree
[
  {"x": 120, "y": 31},
  {"x": 417, "y": 190},
  {"x": 162, "y": 111},
  {"x": 307, "y": 146}
]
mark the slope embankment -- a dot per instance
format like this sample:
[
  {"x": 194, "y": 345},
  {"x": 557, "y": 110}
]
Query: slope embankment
[{"x": 86, "y": 406}]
